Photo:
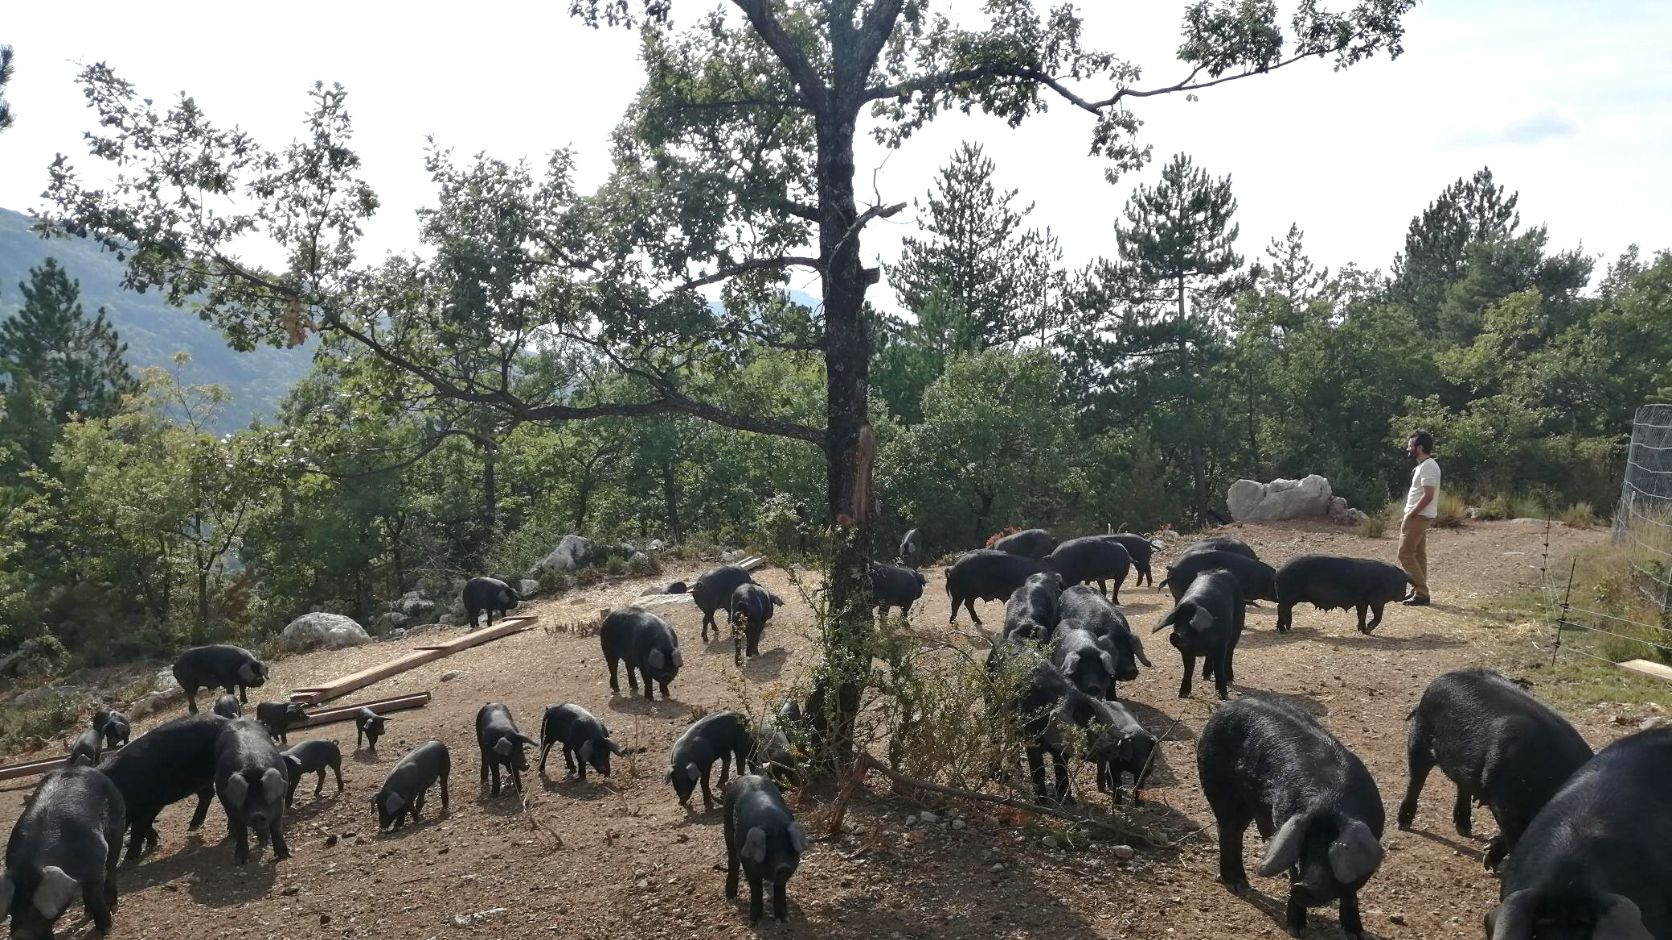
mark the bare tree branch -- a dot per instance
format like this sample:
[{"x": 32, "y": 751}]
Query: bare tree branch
[
  {"x": 755, "y": 264},
  {"x": 788, "y": 51}
]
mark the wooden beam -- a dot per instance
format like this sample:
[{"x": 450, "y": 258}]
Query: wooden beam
[
  {"x": 31, "y": 768},
  {"x": 337, "y": 688},
  {"x": 385, "y": 706},
  {"x": 504, "y": 628},
  {"x": 1644, "y": 667}
]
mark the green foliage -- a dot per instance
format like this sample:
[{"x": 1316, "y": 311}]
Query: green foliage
[{"x": 5, "y": 76}]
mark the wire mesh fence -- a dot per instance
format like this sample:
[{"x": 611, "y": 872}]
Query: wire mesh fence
[{"x": 1619, "y": 605}]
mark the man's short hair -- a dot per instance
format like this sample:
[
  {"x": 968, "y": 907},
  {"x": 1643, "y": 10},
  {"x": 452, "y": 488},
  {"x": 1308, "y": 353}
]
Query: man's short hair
[{"x": 1424, "y": 440}]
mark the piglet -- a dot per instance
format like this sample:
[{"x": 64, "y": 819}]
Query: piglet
[
  {"x": 85, "y": 752},
  {"x": 227, "y": 706},
  {"x": 114, "y": 724},
  {"x": 402, "y": 793},
  {"x": 312, "y": 757},
  {"x": 762, "y": 838},
  {"x": 368, "y": 726},
  {"x": 279, "y": 717},
  {"x": 502, "y": 745},
  {"x": 584, "y": 738},
  {"x": 716, "y": 736}
]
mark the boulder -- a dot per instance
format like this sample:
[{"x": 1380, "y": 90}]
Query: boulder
[
  {"x": 528, "y": 587},
  {"x": 733, "y": 556},
  {"x": 46, "y": 695},
  {"x": 1280, "y": 499},
  {"x": 330, "y": 631},
  {"x": 415, "y": 606},
  {"x": 572, "y": 553},
  {"x": 388, "y": 622}
]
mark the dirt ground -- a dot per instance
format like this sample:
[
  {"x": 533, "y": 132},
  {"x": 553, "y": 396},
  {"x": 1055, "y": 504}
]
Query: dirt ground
[{"x": 619, "y": 857}]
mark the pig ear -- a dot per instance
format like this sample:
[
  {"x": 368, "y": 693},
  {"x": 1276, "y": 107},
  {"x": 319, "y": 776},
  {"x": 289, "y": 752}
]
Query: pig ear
[
  {"x": 754, "y": 846},
  {"x": 273, "y": 784},
  {"x": 1138, "y": 651},
  {"x": 55, "y": 892},
  {"x": 1284, "y": 850},
  {"x": 1620, "y": 920},
  {"x": 1070, "y": 663},
  {"x": 246, "y": 672},
  {"x": 669, "y": 777},
  {"x": 586, "y": 750},
  {"x": 503, "y": 747},
  {"x": 527, "y": 741},
  {"x": 1513, "y": 919},
  {"x": 693, "y": 771},
  {"x": 1167, "y": 621},
  {"x": 1356, "y": 854},
  {"x": 237, "y": 789},
  {"x": 1108, "y": 664},
  {"x": 614, "y": 747},
  {"x": 292, "y": 764},
  {"x": 798, "y": 837},
  {"x": 656, "y": 659},
  {"x": 394, "y": 803},
  {"x": 1203, "y": 620}
]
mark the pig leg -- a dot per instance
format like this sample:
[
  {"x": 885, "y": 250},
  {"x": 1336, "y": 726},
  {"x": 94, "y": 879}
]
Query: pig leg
[
  {"x": 725, "y": 766},
  {"x": 444, "y": 792},
  {"x": 1375, "y": 619},
  {"x": 1222, "y": 673},
  {"x": 756, "y": 898},
  {"x": 664, "y": 691},
  {"x": 1419, "y": 760},
  {"x": 1295, "y": 915},
  {"x": 780, "y": 901},
  {"x": 650, "y": 689},
  {"x": 1036, "y": 770},
  {"x": 1462, "y": 814},
  {"x": 95, "y": 896},
  {"x": 969, "y": 604},
  {"x": 707, "y": 794},
  {"x": 615, "y": 683},
  {"x": 191, "y": 699},
  {"x": 243, "y": 694},
  {"x": 1064, "y": 796},
  {"x": 1363, "y": 611},
  {"x": 576, "y": 767},
  {"x": 632, "y": 676},
  {"x": 1285, "y": 617},
  {"x": 731, "y": 856},
  {"x": 1350, "y": 922},
  {"x": 275, "y": 835},
  {"x": 204, "y": 797},
  {"x": 1231, "y": 873},
  {"x": 319, "y": 786},
  {"x": 240, "y": 837},
  {"x": 338, "y": 768},
  {"x": 290, "y": 793},
  {"x": 1189, "y": 668}
]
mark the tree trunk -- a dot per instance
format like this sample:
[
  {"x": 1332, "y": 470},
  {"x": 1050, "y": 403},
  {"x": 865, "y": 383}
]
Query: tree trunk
[
  {"x": 847, "y": 360},
  {"x": 670, "y": 499},
  {"x": 490, "y": 497}
]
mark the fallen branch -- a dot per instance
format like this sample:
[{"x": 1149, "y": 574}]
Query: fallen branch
[{"x": 869, "y": 763}]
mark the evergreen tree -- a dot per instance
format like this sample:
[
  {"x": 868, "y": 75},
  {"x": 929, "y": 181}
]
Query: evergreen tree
[
  {"x": 55, "y": 363},
  {"x": 979, "y": 281},
  {"x": 5, "y": 76},
  {"x": 1438, "y": 241},
  {"x": 1177, "y": 240}
]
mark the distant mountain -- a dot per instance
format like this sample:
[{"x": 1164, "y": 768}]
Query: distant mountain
[{"x": 153, "y": 330}]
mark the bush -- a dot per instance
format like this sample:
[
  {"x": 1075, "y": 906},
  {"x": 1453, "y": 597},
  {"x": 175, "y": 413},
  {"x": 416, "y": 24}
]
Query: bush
[
  {"x": 1453, "y": 510},
  {"x": 616, "y": 566},
  {"x": 1578, "y": 515},
  {"x": 1373, "y": 527}
]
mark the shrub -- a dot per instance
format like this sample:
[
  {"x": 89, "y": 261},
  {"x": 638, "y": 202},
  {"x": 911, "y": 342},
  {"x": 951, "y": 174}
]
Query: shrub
[
  {"x": 1527, "y": 506},
  {"x": 1373, "y": 527},
  {"x": 1578, "y": 515},
  {"x": 1453, "y": 510},
  {"x": 616, "y": 566}
]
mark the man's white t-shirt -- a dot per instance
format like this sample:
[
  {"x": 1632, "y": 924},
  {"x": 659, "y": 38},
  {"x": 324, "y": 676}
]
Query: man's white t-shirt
[{"x": 1427, "y": 473}]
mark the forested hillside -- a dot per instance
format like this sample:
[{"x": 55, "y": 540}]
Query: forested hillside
[{"x": 154, "y": 331}]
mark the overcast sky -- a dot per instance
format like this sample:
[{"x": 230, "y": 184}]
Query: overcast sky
[{"x": 1569, "y": 103}]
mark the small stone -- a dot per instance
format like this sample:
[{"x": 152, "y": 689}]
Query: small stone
[
  {"x": 1124, "y": 852},
  {"x": 1398, "y": 919},
  {"x": 1049, "y": 842},
  {"x": 926, "y": 818},
  {"x": 452, "y": 674},
  {"x": 958, "y": 824},
  {"x": 682, "y": 838},
  {"x": 324, "y": 919},
  {"x": 998, "y": 867},
  {"x": 291, "y": 891},
  {"x": 330, "y": 840}
]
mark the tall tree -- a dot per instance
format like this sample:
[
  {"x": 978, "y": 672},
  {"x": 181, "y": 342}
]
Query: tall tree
[
  {"x": 1438, "y": 241},
  {"x": 979, "y": 280},
  {"x": 1178, "y": 238},
  {"x": 738, "y": 153},
  {"x": 5, "y": 76},
  {"x": 56, "y": 363}
]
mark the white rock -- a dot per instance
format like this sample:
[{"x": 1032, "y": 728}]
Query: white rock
[
  {"x": 927, "y": 818},
  {"x": 318, "y": 630},
  {"x": 1124, "y": 852},
  {"x": 958, "y": 824},
  {"x": 572, "y": 552},
  {"x": 452, "y": 674},
  {"x": 165, "y": 681},
  {"x": 736, "y": 554},
  {"x": 528, "y": 587},
  {"x": 1250, "y": 501}
]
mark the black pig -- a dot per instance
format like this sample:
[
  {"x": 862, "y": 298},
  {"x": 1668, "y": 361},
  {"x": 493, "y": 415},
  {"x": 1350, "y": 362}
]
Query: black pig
[
  {"x": 170, "y": 762},
  {"x": 987, "y": 575},
  {"x": 490, "y": 596},
  {"x": 1208, "y": 623},
  {"x": 713, "y": 591},
  {"x": 763, "y": 838},
  {"x": 502, "y": 745},
  {"x": 1498, "y": 744},
  {"x": 1091, "y": 559},
  {"x": 64, "y": 845},
  {"x": 894, "y": 586},
  {"x": 1264, "y": 761},
  {"x": 1258, "y": 579},
  {"x": 751, "y": 606},
  {"x": 232, "y": 668},
  {"x": 402, "y": 793},
  {"x": 227, "y": 706},
  {"x": 1029, "y": 543},
  {"x": 368, "y": 725},
  {"x": 716, "y": 736},
  {"x": 312, "y": 757},
  {"x": 279, "y": 717},
  {"x": 115, "y": 726},
  {"x": 585, "y": 740},
  {"x": 251, "y": 780},
  {"x": 646, "y": 643},
  {"x": 1329, "y": 581}
]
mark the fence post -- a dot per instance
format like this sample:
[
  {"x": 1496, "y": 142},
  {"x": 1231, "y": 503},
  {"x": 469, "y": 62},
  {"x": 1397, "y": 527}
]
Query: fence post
[{"x": 1561, "y": 619}]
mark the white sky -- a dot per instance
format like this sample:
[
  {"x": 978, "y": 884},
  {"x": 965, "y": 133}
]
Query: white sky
[{"x": 1569, "y": 103}]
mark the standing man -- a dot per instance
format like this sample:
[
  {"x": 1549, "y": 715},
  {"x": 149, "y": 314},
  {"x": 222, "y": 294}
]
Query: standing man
[{"x": 1422, "y": 505}]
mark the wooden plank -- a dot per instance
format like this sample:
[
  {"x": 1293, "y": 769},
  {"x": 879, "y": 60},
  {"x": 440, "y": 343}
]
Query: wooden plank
[
  {"x": 504, "y": 628},
  {"x": 359, "y": 680},
  {"x": 31, "y": 768},
  {"x": 381, "y": 706},
  {"x": 1646, "y": 668}
]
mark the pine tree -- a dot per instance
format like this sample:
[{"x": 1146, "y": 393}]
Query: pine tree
[
  {"x": 55, "y": 363},
  {"x": 980, "y": 280},
  {"x": 1177, "y": 240},
  {"x": 5, "y": 76},
  {"x": 1438, "y": 242}
]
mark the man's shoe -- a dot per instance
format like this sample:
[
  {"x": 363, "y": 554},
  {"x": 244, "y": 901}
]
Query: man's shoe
[{"x": 1415, "y": 602}]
